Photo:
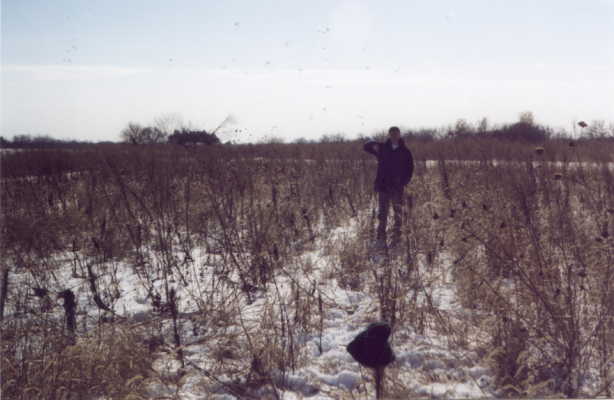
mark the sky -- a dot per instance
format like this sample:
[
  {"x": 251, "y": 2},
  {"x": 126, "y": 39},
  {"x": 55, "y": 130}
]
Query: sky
[{"x": 301, "y": 69}]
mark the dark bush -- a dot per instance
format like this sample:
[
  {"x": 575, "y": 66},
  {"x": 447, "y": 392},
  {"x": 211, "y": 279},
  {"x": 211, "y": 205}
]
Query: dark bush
[{"x": 187, "y": 137}]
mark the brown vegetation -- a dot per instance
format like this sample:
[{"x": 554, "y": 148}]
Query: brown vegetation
[{"x": 529, "y": 242}]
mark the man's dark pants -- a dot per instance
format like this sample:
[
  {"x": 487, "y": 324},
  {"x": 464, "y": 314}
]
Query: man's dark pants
[{"x": 386, "y": 197}]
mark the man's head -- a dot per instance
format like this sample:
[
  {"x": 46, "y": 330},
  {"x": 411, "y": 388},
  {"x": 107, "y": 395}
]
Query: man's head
[{"x": 395, "y": 134}]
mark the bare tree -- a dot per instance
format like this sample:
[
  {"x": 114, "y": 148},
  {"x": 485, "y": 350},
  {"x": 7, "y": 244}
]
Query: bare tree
[
  {"x": 168, "y": 123},
  {"x": 153, "y": 135},
  {"x": 133, "y": 133},
  {"x": 526, "y": 117},
  {"x": 597, "y": 129},
  {"x": 137, "y": 134},
  {"x": 483, "y": 125}
]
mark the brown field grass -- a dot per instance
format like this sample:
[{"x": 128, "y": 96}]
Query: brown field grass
[{"x": 530, "y": 246}]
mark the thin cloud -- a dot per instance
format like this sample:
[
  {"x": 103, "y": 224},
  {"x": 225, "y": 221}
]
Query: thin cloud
[{"x": 71, "y": 72}]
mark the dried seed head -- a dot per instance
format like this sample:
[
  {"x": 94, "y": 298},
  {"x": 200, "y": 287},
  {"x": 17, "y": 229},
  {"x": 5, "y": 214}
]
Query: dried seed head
[
  {"x": 40, "y": 292},
  {"x": 558, "y": 176}
]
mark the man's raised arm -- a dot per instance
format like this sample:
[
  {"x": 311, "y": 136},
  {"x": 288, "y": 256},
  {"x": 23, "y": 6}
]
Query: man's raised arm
[{"x": 371, "y": 147}]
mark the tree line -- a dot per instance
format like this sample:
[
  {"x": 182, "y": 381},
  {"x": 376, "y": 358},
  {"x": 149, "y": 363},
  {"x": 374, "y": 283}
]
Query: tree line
[
  {"x": 137, "y": 134},
  {"x": 133, "y": 134},
  {"x": 524, "y": 130}
]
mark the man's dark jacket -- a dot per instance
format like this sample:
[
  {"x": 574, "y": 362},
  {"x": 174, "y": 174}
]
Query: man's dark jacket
[{"x": 394, "y": 167}]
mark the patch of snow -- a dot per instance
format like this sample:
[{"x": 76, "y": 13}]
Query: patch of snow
[{"x": 344, "y": 379}]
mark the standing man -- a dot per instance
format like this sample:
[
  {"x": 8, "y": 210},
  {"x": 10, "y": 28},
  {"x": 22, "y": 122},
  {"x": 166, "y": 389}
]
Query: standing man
[{"x": 395, "y": 167}]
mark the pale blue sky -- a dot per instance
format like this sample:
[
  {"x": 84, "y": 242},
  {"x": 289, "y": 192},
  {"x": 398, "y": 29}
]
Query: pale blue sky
[{"x": 84, "y": 69}]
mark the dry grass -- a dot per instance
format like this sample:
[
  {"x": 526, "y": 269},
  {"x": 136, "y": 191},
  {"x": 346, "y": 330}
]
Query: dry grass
[
  {"x": 527, "y": 244},
  {"x": 112, "y": 361}
]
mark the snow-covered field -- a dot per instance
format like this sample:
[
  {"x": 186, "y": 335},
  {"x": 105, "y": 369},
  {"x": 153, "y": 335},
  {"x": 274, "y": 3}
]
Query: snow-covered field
[
  {"x": 283, "y": 336},
  {"x": 427, "y": 364}
]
